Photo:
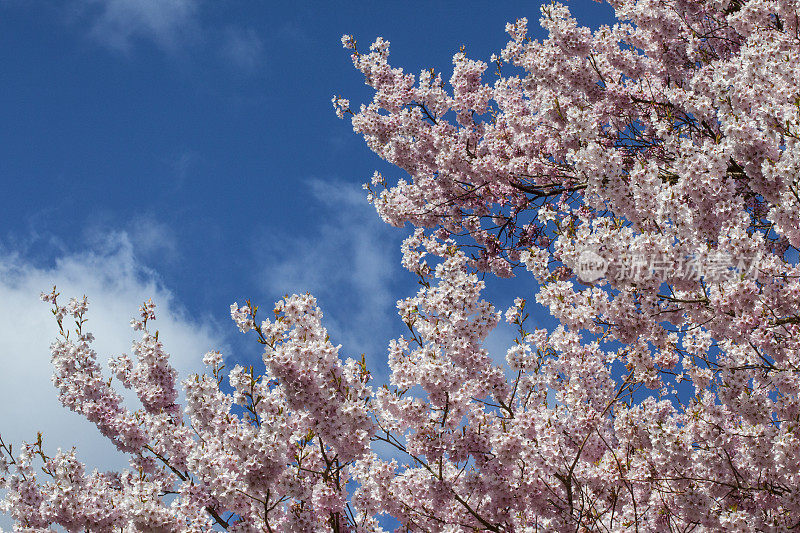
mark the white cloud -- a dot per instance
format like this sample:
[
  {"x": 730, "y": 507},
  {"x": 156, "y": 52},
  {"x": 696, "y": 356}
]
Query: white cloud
[
  {"x": 115, "y": 284},
  {"x": 118, "y": 23}
]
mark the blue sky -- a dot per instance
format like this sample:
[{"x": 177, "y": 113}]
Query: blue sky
[{"x": 187, "y": 150}]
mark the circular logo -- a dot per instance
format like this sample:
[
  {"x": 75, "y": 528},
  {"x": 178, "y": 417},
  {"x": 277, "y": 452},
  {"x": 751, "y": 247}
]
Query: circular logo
[{"x": 591, "y": 266}]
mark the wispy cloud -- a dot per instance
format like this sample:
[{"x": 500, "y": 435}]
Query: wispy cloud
[
  {"x": 116, "y": 284},
  {"x": 243, "y": 49},
  {"x": 182, "y": 165},
  {"x": 119, "y": 23},
  {"x": 172, "y": 26},
  {"x": 352, "y": 265}
]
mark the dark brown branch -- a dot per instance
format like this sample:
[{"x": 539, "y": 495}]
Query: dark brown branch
[{"x": 543, "y": 191}]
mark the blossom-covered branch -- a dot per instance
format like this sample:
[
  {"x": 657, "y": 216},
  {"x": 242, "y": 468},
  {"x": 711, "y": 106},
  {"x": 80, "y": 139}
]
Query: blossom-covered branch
[{"x": 644, "y": 174}]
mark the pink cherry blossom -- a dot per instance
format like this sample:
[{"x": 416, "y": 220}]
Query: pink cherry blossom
[{"x": 643, "y": 179}]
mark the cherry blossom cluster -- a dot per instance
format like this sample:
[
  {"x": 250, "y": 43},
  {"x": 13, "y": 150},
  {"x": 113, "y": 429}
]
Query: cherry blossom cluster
[
  {"x": 664, "y": 402},
  {"x": 273, "y": 453},
  {"x": 671, "y": 134}
]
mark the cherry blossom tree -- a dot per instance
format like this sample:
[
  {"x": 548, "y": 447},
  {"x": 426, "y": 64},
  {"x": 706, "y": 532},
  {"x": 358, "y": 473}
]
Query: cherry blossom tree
[{"x": 645, "y": 175}]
